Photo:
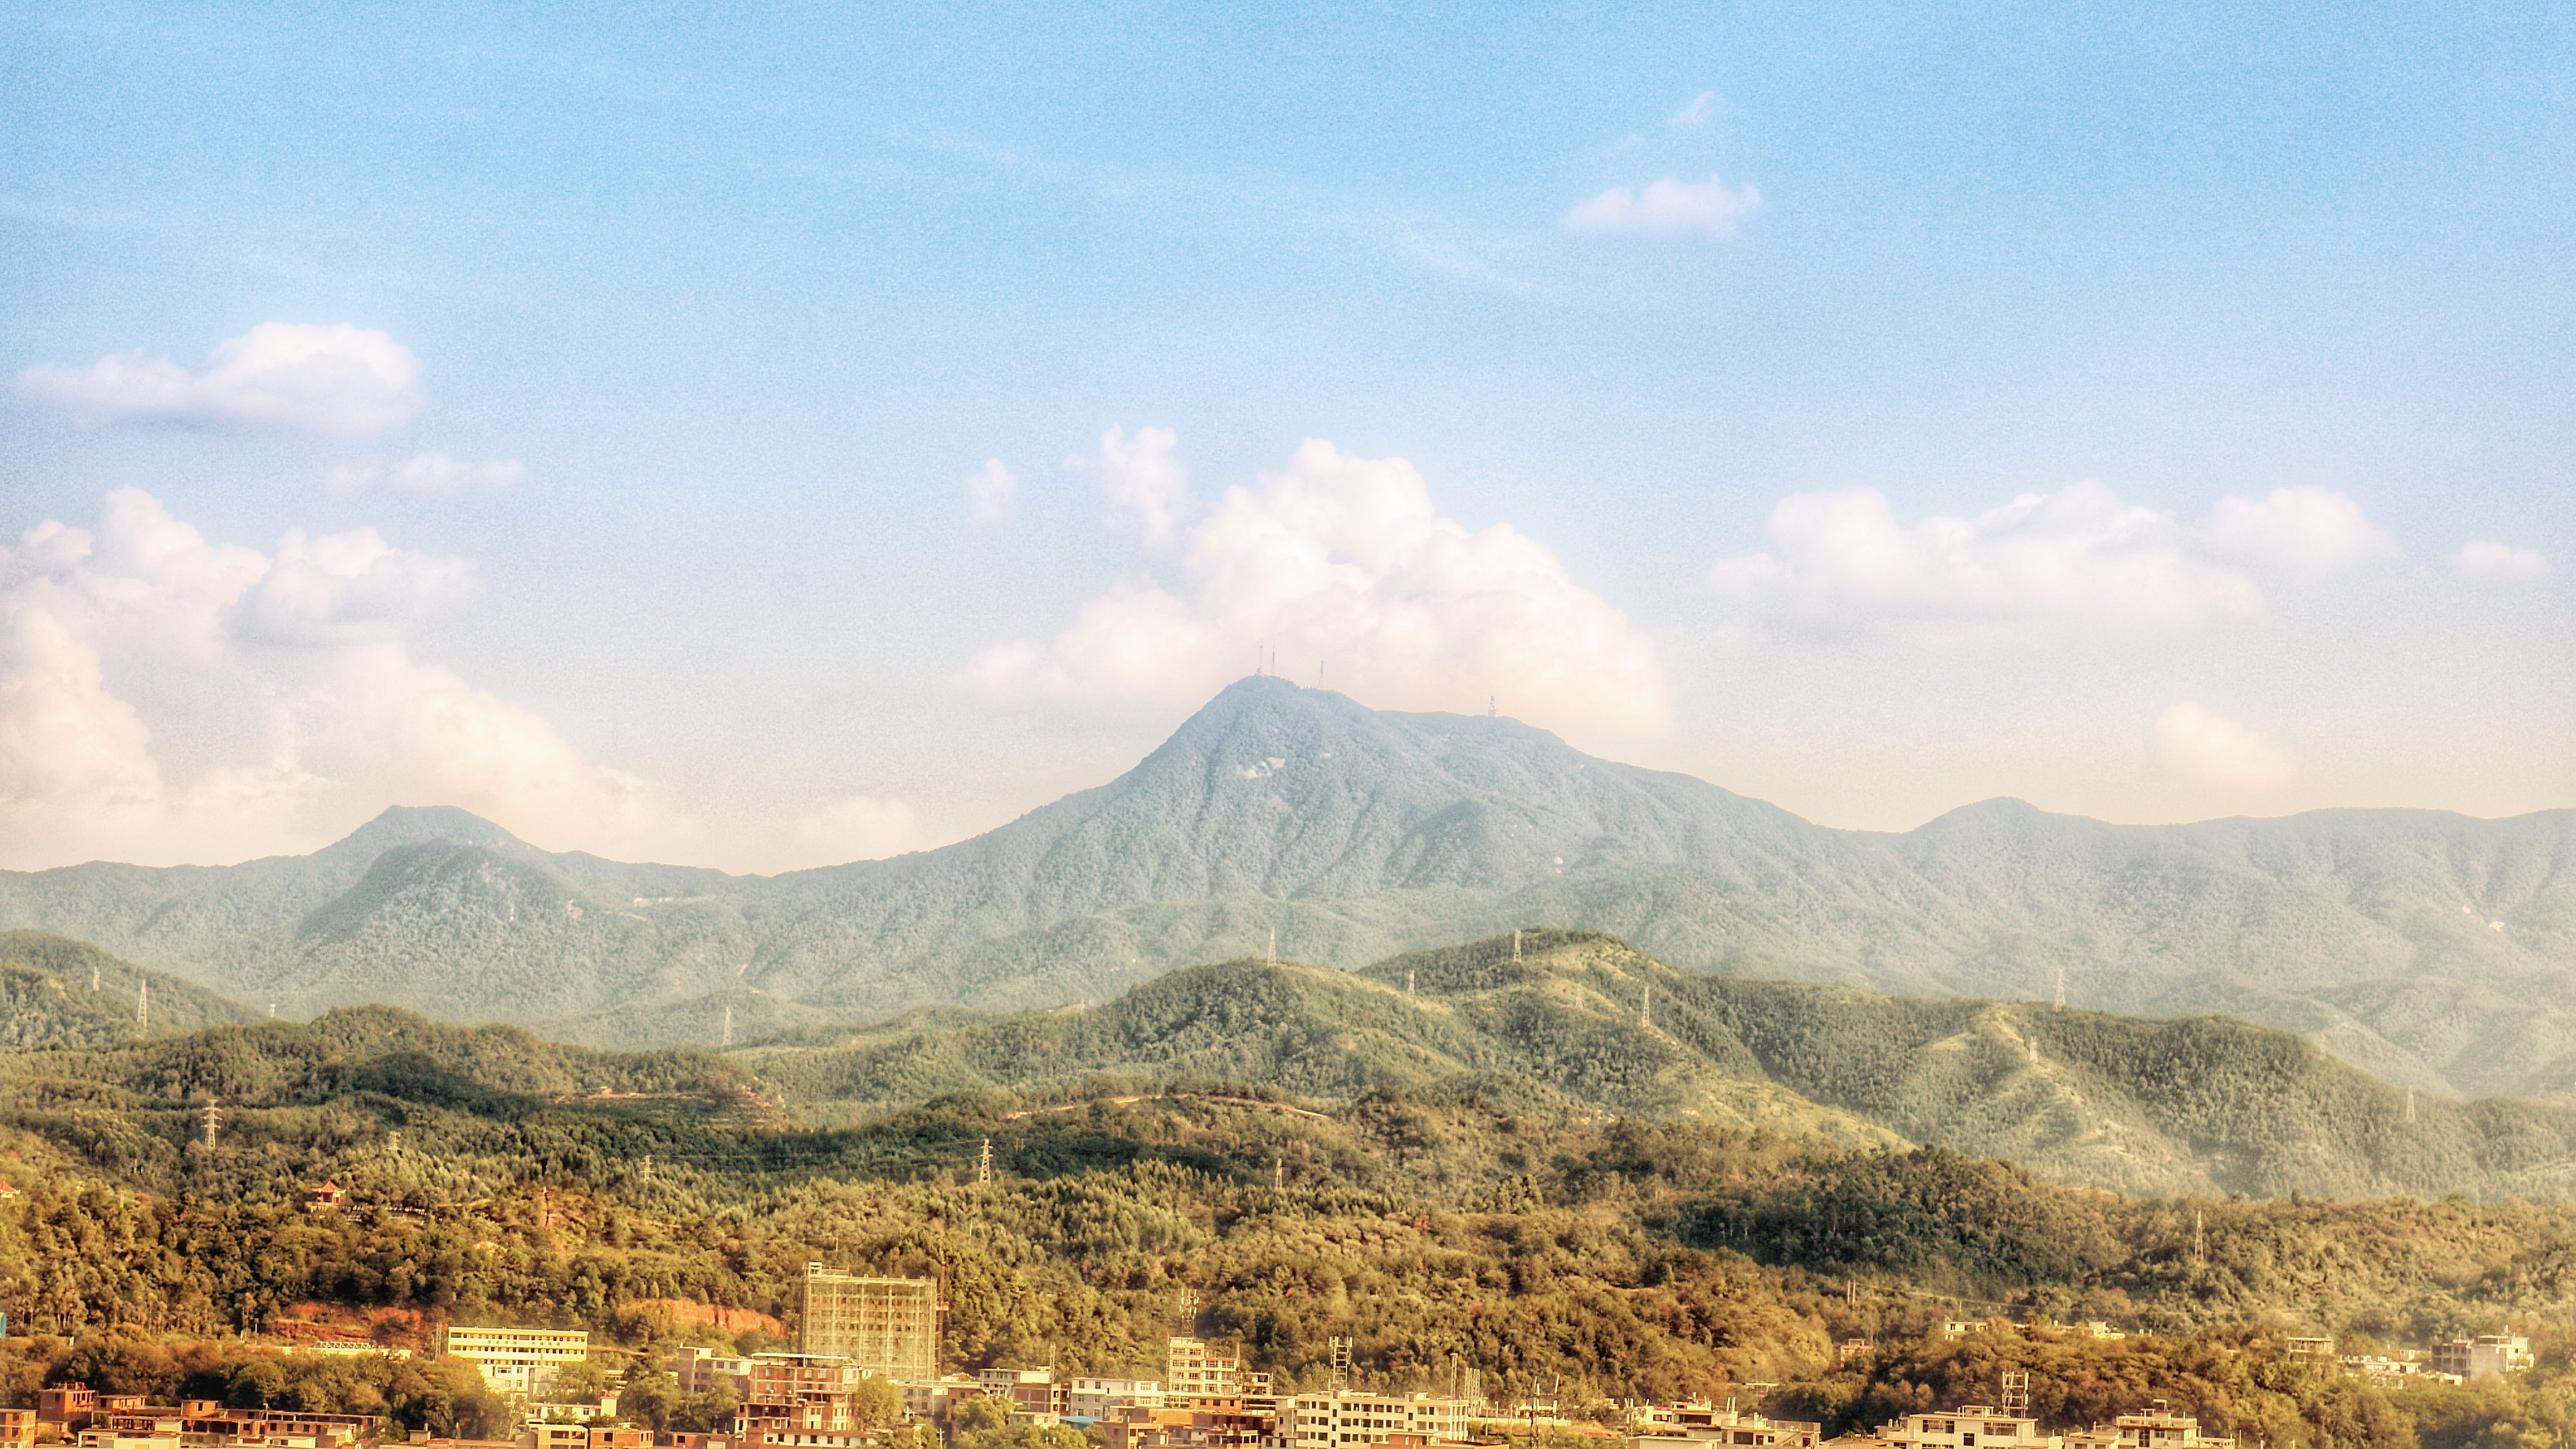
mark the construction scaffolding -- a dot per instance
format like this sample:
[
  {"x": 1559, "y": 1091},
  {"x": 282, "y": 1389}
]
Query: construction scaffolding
[{"x": 888, "y": 1327}]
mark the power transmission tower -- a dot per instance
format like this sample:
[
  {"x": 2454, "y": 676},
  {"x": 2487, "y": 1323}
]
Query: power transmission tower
[
  {"x": 2061, "y": 988},
  {"x": 728, "y": 1026},
  {"x": 1278, "y": 1172},
  {"x": 1516, "y": 945},
  {"x": 214, "y": 1119},
  {"x": 93, "y": 978},
  {"x": 143, "y": 1004},
  {"x": 2410, "y": 1104},
  {"x": 984, "y": 1165},
  {"x": 1274, "y": 945},
  {"x": 1408, "y": 981}
]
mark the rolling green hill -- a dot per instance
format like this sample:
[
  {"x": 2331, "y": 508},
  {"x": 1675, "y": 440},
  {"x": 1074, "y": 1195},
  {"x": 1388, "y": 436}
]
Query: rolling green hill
[
  {"x": 56, "y": 993},
  {"x": 2432, "y": 949},
  {"x": 1559, "y": 1020}
]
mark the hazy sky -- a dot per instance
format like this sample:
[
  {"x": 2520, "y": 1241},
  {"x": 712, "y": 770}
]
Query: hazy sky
[{"x": 766, "y": 436}]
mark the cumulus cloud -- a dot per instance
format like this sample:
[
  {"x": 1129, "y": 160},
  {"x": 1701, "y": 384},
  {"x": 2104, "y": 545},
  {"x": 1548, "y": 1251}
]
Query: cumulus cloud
[
  {"x": 1343, "y": 560},
  {"x": 1148, "y": 488},
  {"x": 2305, "y": 530},
  {"x": 1842, "y": 561},
  {"x": 1669, "y": 207},
  {"x": 1696, "y": 114},
  {"x": 2200, "y": 747},
  {"x": 284, "y": 678},
  {"x": 2481, "y": 559},
  {"x": 991, "y": 492},
  {"x": 334, "y": 379},
  {"x": 431, "y": 473}
]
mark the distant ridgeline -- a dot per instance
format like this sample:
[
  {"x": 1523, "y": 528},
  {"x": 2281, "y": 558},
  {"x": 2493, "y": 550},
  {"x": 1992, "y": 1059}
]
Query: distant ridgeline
[{"x": 2434, "y": 950}]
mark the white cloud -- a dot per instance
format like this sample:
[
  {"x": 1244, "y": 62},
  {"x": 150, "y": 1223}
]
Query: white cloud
[
  {"x": 991, "y": 492},
  {"x": 2078, "y": 555},
  {"x": 335, "y": 379},
  {"x": 2305, "y": 530},
  {"x": 285, "y": 680},
  {"x": 1667, "y": 207},
  {"x": 1696, "y": 114},
  {"x": 2481, "y": 559},
  {"x": 2204, "y": 749},
  {"x": 1147, "y": 487},
  {"x": 1342, "y": 561},
  {"x": 428, "y": 473},
  {"x": 861, "y": 827}
]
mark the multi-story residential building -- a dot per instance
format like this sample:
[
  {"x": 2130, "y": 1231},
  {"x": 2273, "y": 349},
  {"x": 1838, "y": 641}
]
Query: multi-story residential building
[
  {"x": 1971, "y": 1426},
  {"x": 2158, "y": 1428},
  {"x": 1137, "y": 1427},
  {"x": 797, "y": 1393},
  {"x": 1347, "y": 1417},
  {"x": 513, "y": 1359},
  {"x": 1704, "y": 1426},
  {"x": 697, "y": 1370},
  {"x": 1194, "y": 1369},
  {"x": 17, "y": 1428},
  {"x": 2481, "y": 1357},
  {"x": 1035, "y": 1395},
  {"x": 1101, "y": 1398},
  {"x": 888, "y": 1327}
]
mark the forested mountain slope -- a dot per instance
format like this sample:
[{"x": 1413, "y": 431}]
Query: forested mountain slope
[
  {"x": 2433, "y": 949},
  {"x": 1555, "y": 1020},
  {"x": 56, "y": 992}
]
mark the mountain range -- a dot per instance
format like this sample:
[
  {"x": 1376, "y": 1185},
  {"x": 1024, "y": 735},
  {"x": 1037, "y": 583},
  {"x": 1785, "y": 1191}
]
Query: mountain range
[{"x": 2435, "y": 950}]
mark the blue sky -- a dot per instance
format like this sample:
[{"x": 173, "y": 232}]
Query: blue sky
[{"x": 688, "y": 329}]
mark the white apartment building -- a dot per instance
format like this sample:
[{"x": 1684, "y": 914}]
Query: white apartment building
[
  {"x": 2158, "y": 1428},
  {"x": 512, "y": 1359},
  {"x": 1972, "y": 1426},
  {"x": 1334, "y": 1420},
  {"x": 1096, "y": 1398},
  {"x": 1705, "y": 1426}
]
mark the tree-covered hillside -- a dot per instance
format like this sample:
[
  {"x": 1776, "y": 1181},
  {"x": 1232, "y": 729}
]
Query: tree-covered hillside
[
  {"x": 1554, "y": 1018},
  {"x": 1594, "y": 1257},
  {"x": 58, "y": 992}
]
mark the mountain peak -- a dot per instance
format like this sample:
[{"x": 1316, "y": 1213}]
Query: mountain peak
[{"x": 411, "y": 824}]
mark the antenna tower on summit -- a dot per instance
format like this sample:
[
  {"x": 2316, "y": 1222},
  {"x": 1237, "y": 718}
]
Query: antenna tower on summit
[
  {"x": 1489, "y": 705},
  {"x": 2061, "y": 988}
]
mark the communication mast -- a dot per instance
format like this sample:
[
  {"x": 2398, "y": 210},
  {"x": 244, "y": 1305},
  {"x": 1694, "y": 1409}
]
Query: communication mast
[
  {"x": 2016, "y": 1394},
  {"x": 2061, "y": 988}
]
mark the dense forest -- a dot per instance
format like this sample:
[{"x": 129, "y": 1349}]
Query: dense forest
[{"x": 1485, "y": 1218}]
